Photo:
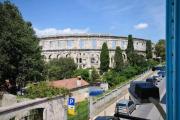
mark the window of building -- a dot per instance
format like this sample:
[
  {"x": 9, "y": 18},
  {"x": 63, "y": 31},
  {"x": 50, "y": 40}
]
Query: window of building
[
  {"x": 84, "y": 66},
  {"x": 113, "y": 44},
  {"x": 80, "y": 60},
  {"x": 61, "y": 44},
  {"x": 93, "y": 60},
  {"x": 122, "y": 44},
  {"x": 82, "y": 44},
  {"x": 69, "y": 44},
  {"x": 94, "y": 44}
]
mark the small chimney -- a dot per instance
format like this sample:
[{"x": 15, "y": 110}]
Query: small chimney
[{"x": 79, "y": 81}]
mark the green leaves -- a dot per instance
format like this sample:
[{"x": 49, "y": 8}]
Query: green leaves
[
  {"x": 43, "y": 89},
  {"x": 160, "y": 49},
  {"x": 61, "y": 68},
  {"x": 104, "y": 58},
  {"x": 20, "y": 52},
  {"x": 95, "y": 75},
  {"x": 118, "y": 60},
  {"x": 148, "y": 49},
  {"x": 84, "y": 73}
]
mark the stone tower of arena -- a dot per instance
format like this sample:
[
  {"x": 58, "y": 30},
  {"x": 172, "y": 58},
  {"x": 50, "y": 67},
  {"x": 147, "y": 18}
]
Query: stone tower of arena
[{"x": 85, "y": 48}]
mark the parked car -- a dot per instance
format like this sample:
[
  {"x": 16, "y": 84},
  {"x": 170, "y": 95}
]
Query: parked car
[
  {"x": 157, "y": 78},
  {"x": 125, "y": 107},
  {"x": 162, "y": 73}
]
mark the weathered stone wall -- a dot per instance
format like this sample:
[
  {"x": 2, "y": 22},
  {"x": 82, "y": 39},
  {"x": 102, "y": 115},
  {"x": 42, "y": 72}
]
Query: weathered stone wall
[
  {"x": 54, "y": 109},
  {"x": 81, "y": 94},
  {"x": 7, "y": 100},
  {"x": 85, "y": 49}
]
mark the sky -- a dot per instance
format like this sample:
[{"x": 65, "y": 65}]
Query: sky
[{"x": 141, "y": 18}]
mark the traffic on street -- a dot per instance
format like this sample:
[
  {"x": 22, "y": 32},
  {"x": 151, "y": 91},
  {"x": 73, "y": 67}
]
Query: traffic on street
[{"x": 128, "y": 106}]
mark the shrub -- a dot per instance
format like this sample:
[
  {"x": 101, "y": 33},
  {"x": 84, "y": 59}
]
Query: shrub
[
  {"x": 113, "y": 78},
  {"x": 95, "y": 75},
  {"x": 129, "y": 72},
  {"x": 42, "y": 89},
  {"x": 84, "y": 73},
  {"x": 61, "y": 68},
  {"x": 152, "y": 63}
]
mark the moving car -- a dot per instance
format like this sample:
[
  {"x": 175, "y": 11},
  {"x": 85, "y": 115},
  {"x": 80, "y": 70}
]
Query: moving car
[{"x": 125, "y": 107}]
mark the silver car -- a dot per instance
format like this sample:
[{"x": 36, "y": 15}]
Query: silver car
[{"x": 125, "y": 107}]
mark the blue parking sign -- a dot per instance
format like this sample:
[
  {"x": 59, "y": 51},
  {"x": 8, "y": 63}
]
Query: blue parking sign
[{"x": 71, "y": 101}]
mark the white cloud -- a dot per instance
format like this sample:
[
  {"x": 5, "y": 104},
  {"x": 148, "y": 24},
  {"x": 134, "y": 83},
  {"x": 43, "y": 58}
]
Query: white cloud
[
  {"x": 54, "y": 31},
  {"x": 141, "y": 26}
]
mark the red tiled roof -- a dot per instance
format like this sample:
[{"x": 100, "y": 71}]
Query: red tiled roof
[{"x": 70, "y": 83}]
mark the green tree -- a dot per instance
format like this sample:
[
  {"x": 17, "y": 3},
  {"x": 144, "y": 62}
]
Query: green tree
[
  {"x": 118, "y": 59},
  {"x": 160, "y": 49},
  {"x": 130, "y": 49},
  {"x": 95, "y": 75},
  {"x": 61, "y": 68},
  {"x": 113, "y": 78},
  {"x": 20, "y": 54},
  {"x": 148, "y": 49},
  {"x": 139, "y": 60},
  {"x": 104, "y": 58},
  {"x": 84, "y": 73}
]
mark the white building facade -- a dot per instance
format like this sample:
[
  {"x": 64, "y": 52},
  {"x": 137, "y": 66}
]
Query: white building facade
[{"x": 85, "y": 49}]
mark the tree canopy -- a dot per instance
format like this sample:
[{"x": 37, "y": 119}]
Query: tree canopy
[
  {"x": 94, "y": 75},
  {"x": 104, "y": 58},
  {"x": 84, "y": 73},
  {"x": 148, "y": 49},
  {"x": 20, "y": 54},
  {"x": 130, "y": 49},
  {"x": 61, "y": 68},
  {"x": 160, "y": 49},
  {"x": 118, "y": 59}
]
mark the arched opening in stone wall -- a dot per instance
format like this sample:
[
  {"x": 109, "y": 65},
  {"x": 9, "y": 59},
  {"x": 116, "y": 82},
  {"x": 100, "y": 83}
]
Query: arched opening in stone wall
[
  {"x": 68, "y": 55},
  {"x": 44, "y": 57},
  {"x": 93, "y": 60},
  {"x": 58, "y": 56},
  {"x": 80, "y": 60},
  {"x": 34, "y": 114},
  {"x": 97, "y": 60},
  {"x": 124, "y": 56},
  {"x": 50, "y": 56}
]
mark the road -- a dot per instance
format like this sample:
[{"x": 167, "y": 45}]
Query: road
[
  {"x": 149, "y": 111},
  {"x": 144, "y": 111}
]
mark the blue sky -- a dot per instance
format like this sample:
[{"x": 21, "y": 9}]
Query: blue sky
[{"x": 141, "y": 18}]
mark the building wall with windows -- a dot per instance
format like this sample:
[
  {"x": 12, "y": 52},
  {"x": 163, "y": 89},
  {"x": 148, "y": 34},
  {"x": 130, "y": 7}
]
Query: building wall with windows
[{"x": 85, "y": 49}]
